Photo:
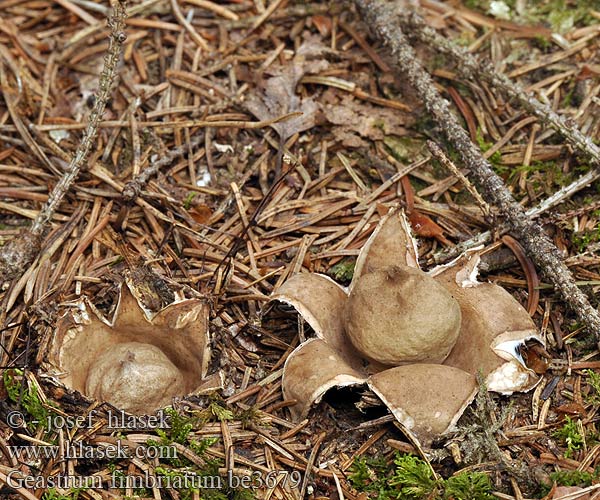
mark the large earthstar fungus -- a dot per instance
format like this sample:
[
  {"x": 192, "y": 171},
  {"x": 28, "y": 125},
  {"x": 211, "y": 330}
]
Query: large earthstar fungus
[
  {"x": 416, "y": 339},
  {"x": 138, "y": 360}
]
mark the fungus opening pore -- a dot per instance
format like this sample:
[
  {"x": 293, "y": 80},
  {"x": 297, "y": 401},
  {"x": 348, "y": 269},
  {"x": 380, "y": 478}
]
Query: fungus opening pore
[{"x": 401, "y": 315}]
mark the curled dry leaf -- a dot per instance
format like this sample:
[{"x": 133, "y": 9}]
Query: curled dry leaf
[
  {"x": 426, "y": 227},
  {"x": 439, "y": 329},
  {"x": 139, "y": 360}
]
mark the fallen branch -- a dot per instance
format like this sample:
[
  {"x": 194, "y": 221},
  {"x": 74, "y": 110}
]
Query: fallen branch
[
  {"x": 472, "y": 67},
  {"x": 385, "y": 22},
  {"x": 16, "y": 255}
]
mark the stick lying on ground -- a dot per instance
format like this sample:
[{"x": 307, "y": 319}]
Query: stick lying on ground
[
  {"x": 16, "y": 255},
  {"x": 473, "y": 68},
  {"x": 384, "y": 20}
]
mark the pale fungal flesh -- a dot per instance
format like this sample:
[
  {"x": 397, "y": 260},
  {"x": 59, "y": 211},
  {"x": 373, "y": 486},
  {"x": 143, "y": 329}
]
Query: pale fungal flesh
[
  {"x": 137, "y": 361},
  {"x": 439, "y": 329}
]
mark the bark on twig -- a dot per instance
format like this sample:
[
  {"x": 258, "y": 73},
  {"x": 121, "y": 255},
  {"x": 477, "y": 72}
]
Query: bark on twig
[
  {"x": 485, "y": 237},
  {"x": 134, "y": 187},
  {"x": 471, "y": 67},
  {"x": 385, "y": 22},
  {"x": 16, "y": 255}
]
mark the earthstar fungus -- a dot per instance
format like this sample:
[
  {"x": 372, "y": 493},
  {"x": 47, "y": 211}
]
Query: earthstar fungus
[
  {"x": 416, "y": 339},
  {"x": 138, "y": 360}
]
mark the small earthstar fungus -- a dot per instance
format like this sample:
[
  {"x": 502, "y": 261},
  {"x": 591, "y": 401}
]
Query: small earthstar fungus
[
  {"x": 138, "y": 360},
  {"x": 416, "y": 339}
]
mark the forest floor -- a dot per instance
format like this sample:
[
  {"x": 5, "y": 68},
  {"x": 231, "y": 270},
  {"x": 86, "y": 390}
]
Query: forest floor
[{"x": 197, "y": 89}]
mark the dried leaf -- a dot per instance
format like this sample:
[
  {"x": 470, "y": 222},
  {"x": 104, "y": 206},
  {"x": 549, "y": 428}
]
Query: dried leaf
[
  {"x": 323, "y": 24},
  {"x": 201, "y": 213},
  {"x": 424, "y": 226},
  {"x": 576, "y": 409},
  {"x": 354, "y": 119},
  {"x": 278, "y": 94}
]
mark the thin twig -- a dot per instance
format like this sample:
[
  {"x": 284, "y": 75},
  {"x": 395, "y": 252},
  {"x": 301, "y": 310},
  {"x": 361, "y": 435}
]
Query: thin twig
[
  {"x": 134, "y": 187},
  {"x": 474, "y": 68},
  {"x": 20, "y": 252},
  {"x": 542, "y": 251},
  {"x": 116, "y": 24},
  {"x": 447, "y": 163}
]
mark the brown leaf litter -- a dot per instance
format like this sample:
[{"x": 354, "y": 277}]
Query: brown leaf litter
[{"x": 175, "y": 177}]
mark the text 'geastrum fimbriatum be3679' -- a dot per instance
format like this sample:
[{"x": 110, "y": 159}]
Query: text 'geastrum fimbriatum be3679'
[
  {"x": 417, "y": 339},
  {"x": 138, "y": 360}
]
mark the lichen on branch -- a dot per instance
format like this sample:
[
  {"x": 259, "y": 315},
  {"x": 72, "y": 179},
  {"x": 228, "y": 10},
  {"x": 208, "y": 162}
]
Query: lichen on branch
[{"x": 19, "y": 253}]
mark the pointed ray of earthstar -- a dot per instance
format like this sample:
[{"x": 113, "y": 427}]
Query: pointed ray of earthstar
[
  {"x": 390, "y": 244},
  {"x": 427, "y": 399},
  {"x": 494, "y": 328},
  {"x": 310, "y": 371}
]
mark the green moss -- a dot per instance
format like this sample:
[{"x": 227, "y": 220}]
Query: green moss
[
  {"x": 53, "y": 494},
  {"x": 118, "y": 260},
  {"x": 424, "y": 124},
  {"x": 201, "y": 447},
  {"x": 543, "y": 43},
  {"x": 496, "y": 158},
  {"x": 573, "y": 478},
  {"x": 249, "y": 415},
  {"x": 468, "y": 486},
  {"x": 546, "y": 176},
  {"x": 465, "y": 39},
  {"x": 594, "y": 381},
  {"x": 568, "y": 98},
  {"x": 562, "y": 15},
  {"x": 28, "y": 398},
  {"x": 370, "y": 475},
  {"x": 380, "y": 124},
  {"x": 413, "y": 479},
  {"x": 569, "y": 478},
  {"x": 211, "y": 485},
  {"x": 404, "y": 149},
  {"x": 180, "y": 427},
  {"x": 570, "y": 435},
  {"x": 188, "y": 200},
  {"x": 343, "y": 271},
  {"x": 436, "y": 62},
  {"x": 582, "y": 240},
  {"x": 185, "y": 476},
  {"x": 215, "y": 411},
  {"x": 409, "y": 478},
  {"x": 477, "y": 4}
]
